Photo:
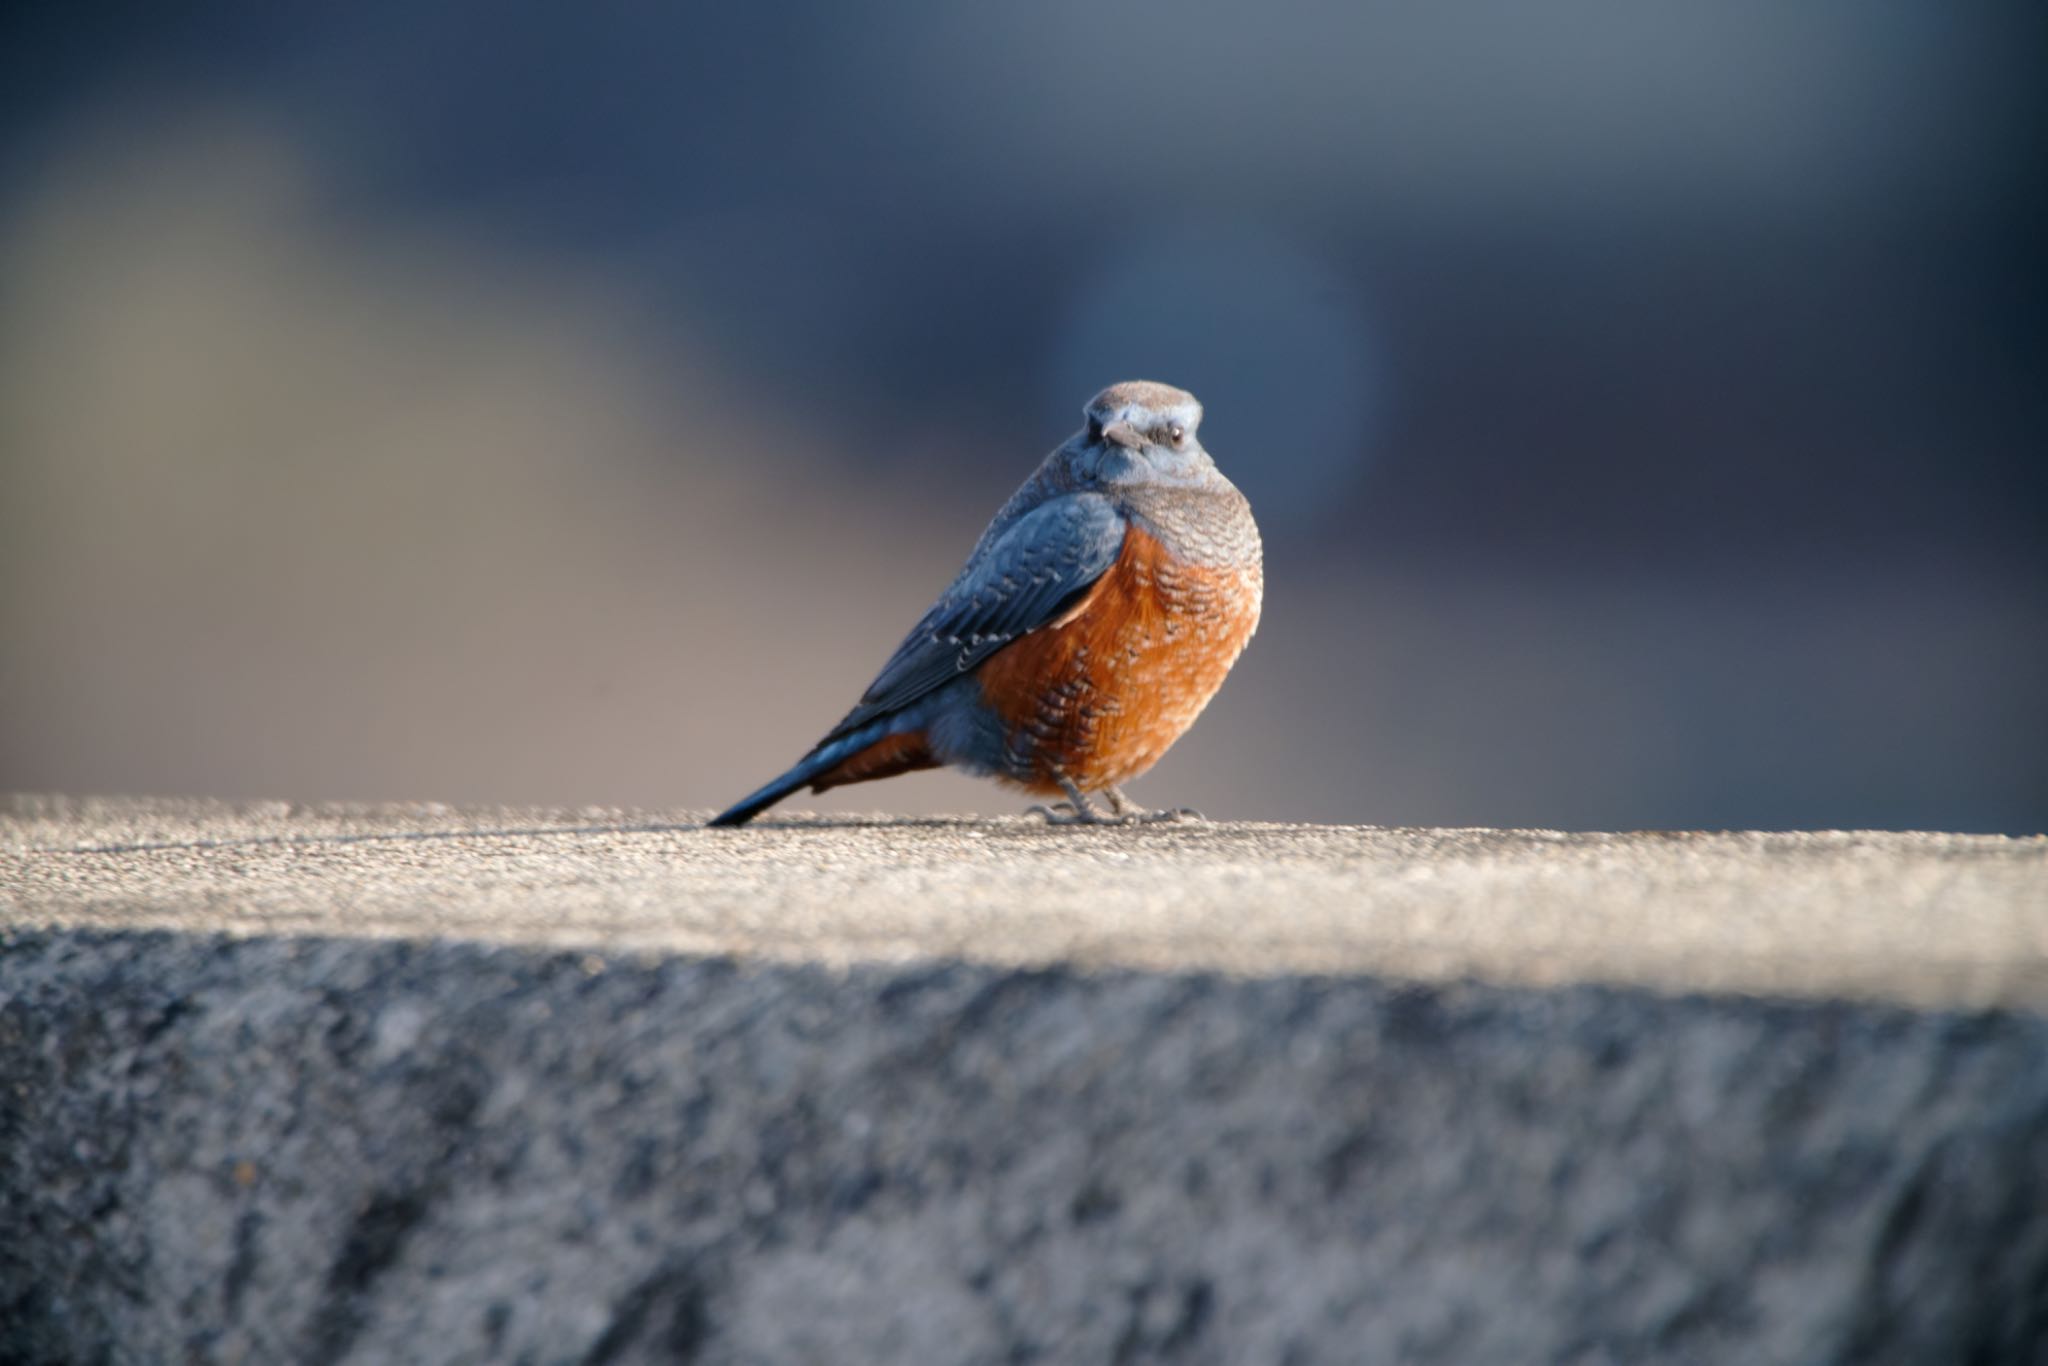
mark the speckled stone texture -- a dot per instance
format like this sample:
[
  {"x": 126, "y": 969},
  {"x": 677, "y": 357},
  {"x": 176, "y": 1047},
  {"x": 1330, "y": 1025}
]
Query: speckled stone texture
[
  {"x": 406, "y": 1084},
  {"x": 330, "y": 1150}
]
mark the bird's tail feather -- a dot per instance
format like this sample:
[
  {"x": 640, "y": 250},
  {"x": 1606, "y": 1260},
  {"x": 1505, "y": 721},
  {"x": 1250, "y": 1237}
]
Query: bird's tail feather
[{"x": 812, "y": 766}]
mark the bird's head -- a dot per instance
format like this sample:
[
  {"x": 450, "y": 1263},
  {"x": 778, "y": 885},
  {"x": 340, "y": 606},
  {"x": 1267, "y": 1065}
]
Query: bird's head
[{"x": 1138, "y": 431}]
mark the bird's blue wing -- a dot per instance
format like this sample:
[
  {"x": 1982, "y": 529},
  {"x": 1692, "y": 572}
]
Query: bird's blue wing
[{"x": 1034, "y": 571}]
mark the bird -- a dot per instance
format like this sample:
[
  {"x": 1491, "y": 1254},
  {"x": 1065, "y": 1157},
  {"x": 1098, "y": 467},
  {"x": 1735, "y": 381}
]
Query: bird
[{"x": 1094, "y": 620}]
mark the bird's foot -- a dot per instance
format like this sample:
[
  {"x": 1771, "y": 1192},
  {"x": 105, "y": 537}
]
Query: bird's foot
[
  {"x": 1070, "y": 813},
  {"x": 1171, "y": 813},
  {"x": 1128, "y": 810},
  {"x": 1077, "y": 809}
]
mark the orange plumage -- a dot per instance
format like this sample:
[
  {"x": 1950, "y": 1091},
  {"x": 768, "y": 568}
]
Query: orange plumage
[
  {"x": 1101, "y": 694},
  {"x": 887, "y": 757}
]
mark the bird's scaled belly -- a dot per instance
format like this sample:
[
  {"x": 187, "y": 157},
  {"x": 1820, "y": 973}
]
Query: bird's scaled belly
[{"x": 1100, "y": 696}]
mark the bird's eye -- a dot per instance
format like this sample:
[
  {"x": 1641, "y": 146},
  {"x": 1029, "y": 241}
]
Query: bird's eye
[
  {"x": 1177, "y": 434},
  {"x": 1094, "y": 428}
]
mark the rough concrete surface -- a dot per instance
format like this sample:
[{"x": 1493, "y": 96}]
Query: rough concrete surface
[
  {"x": 1923, "y": 918},
  {"x": 383, "y": 1084}
]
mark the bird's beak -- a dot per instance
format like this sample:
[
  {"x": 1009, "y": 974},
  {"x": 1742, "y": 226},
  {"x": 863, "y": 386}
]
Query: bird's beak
[{"x": 1125, "y": 435}]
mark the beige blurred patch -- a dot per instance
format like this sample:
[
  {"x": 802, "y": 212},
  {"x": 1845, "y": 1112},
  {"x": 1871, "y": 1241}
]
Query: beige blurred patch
[{"x": 300, "y": 503}]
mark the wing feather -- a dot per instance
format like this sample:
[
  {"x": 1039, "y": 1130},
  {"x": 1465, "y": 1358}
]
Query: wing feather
[{"x": 1033, "y": 573}]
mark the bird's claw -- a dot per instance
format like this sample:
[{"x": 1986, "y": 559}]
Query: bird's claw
[
  {"x": 1128, "y": 810},
  {"x": 1068, "y": 813},
  {"x": 1085, "y": 813}
]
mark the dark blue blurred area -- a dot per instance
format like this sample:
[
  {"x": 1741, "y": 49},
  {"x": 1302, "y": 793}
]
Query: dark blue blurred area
[{"x": 1668, "y": 381}]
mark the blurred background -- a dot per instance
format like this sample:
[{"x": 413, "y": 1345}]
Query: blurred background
[{"x": 1644, "y": 405}]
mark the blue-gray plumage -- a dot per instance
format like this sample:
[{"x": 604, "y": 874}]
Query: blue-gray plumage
[{"x": 1033, "y": 572}]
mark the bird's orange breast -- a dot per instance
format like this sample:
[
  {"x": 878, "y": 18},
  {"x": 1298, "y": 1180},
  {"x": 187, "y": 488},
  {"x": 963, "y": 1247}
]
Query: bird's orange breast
[{"x": 1102, "y": 693}]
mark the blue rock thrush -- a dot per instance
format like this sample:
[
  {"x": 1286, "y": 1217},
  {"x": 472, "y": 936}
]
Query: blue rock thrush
[{"x": 1095, "y": 619}]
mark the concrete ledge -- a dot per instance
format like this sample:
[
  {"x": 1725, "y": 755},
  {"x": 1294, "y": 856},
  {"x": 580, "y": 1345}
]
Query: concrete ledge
[
  {"x": 418, "y": 1085},
  {"x": 1925, "y": 919}
]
